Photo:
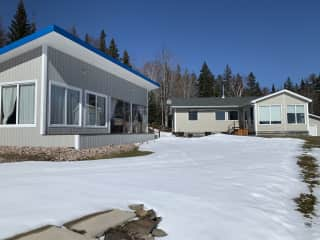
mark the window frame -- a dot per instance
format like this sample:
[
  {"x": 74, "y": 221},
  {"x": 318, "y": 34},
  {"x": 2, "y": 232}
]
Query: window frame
[
  {"x": 226, "y": 115},
  {"x": 295, "y": 114},
  {"x": 190, "y": 112},
  {"x": 270, "y": 122},
  {"x": 106, "y": 109},
  {"x": 17, "y": 84},
  {"x": 66, "y": 86}
]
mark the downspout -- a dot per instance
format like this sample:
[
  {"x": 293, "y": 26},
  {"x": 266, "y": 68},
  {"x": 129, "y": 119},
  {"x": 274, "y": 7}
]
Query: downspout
[{"x": 255, "y": 115}]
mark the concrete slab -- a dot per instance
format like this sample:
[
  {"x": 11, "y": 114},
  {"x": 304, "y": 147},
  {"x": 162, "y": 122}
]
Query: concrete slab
[
  {"x": 51, "y": 233},
  {"x": 95, "y": 225}
]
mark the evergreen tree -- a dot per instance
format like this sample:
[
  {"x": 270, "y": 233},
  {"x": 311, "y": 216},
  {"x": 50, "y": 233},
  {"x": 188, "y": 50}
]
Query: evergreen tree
[
  {"x": 125, "y": 58},
  {"x": 20, "y": 26},
  {"x": 153, "y": 110},
  {"x": 253, "y": 87},
  {"x": 3, "y": 39},
  {"x": 205, "y": 81},
  {"x": 87, "y": 38},
  {"x": 227, "y": 76},
  {"x": 288, "y": 84},
  {"x": 73, "y": 31},
  {"x": 102, "y": 42},
  {"x": 113, "y": 49},
  {"x": 273, "y": 89}
]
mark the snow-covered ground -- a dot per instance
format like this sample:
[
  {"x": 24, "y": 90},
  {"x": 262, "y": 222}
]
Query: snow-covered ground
[{"x": 216, "y": 187}]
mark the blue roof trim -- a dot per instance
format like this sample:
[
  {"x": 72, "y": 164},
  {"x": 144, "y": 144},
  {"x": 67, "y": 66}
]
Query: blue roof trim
[{"x": 54, "y": 28}]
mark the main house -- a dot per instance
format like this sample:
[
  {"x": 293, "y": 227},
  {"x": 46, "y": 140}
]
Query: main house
[
  {"x": 56, "y": 90},
  {"x": 283, "y": 112}
]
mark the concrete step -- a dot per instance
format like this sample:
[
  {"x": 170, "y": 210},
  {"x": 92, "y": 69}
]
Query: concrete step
[
  {"x": 95, "y": 225},
  {"x": 51, "y": 233}
]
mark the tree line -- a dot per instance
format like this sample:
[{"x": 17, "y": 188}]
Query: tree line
[{"x": 174, "y": 80}]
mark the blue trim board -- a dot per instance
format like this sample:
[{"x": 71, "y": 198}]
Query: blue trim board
[{"x": 54, "y": 28}]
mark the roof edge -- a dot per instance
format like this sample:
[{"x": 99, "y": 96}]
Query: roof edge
[
  {"x": 279, "y": 92},
  {"x": 54, "y": 28}
]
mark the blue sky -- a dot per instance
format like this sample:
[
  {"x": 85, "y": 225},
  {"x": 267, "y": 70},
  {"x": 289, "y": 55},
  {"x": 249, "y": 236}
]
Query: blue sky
[{"x": 273, "y": 38}]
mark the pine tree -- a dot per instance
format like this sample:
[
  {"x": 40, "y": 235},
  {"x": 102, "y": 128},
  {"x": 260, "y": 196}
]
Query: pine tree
[
  {"x": 87, "y": 38},
  {"x": 113, "y": 49},
  {"x": 288, "y": 84},
  {"x": 3, "y": 39},
  {"x": 253, "y": 87},
  {"x": 205, "y": 81},
  {"x": 153, "y": 110},
  {"x": 73, "y": 31},
  {"x": 20, "y": 26},
  {"x": 126, "y": 59},
  {"x": 102, "y": 42},
  {"x": 273, "y": 89},
  {"x": 227, "y": 77}
]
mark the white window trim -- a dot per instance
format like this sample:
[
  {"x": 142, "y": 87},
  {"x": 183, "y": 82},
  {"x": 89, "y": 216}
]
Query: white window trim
[
  {"x": 18, "y": 84},
  {"x": 85, "y": 109},
  {"x": 295, "y": 114},
  {"x": 66, "y": 86},
  {"x": 269, "y": 124}
]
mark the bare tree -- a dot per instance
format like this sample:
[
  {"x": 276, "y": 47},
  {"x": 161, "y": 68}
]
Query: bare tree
[{"x": 236, "y": 85}]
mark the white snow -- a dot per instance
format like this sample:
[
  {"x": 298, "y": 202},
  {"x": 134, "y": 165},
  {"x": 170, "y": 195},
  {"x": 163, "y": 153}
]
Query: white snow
[{"x": 215, "y": 187}]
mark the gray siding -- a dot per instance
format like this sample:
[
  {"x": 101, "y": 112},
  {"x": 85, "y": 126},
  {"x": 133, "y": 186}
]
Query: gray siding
[
  {"x": 27, "y": 67},
  {"x": 66, "y": 69},
  {"x": 89, "y": 141}
]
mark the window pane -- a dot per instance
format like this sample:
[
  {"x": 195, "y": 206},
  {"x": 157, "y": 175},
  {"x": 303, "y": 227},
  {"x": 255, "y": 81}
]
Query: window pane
[
  {"x": 233, "y": 115},
  {"x": 193, "y": 115},
  {"x": 264, "y": 115},
  {"x": 220, "y": 115},
  {"x": 8, "y": 107},
  {"x": 101, "y": 111},
  {"x": 73, "y": 105},
  {"x": 291, "y": 109},
  {"x": 26, "y": 104},
  {"x": 275, "y": 114},
  {"x": 300, "y": 113},
  {"x": 91, "y": 109},
  {"x": 57, "y": 105},
  {"x": 291, "y": 116}
]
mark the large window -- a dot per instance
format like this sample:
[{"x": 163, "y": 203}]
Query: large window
[
  {"x": 220, "y": 115},
  {"x": 270, "y": 114},
  {"x": 65, "y": 105},
  {"x": 295, "y": 114},
  {"x": 139, "y": 119},
  {"x": 17, "y": 104},
  {"x": 95, "y": 110},
  {"x": 120, "y": 116},
  {"x": 193, "y": 115}
]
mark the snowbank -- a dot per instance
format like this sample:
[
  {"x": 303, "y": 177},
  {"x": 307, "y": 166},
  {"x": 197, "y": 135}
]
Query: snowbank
[{"x": 215, "y": 187}]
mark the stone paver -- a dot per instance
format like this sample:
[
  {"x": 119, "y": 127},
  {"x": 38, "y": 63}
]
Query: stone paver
[
  {"x": 52, "y": 233},
  {"x": 96, "y": 225}
]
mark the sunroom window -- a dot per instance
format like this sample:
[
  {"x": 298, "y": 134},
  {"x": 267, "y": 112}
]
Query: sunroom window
[
  {"x": 270, "y": 114},
  {"x": 95, "y": 110},
  {"x": 64, "y": 106},
  {"x": 17, "y": 104}
]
